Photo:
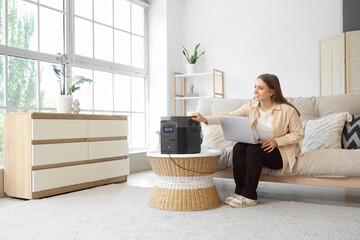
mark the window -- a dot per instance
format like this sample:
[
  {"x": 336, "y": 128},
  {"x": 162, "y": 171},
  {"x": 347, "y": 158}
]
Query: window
[{"x": 105, "y": 41}]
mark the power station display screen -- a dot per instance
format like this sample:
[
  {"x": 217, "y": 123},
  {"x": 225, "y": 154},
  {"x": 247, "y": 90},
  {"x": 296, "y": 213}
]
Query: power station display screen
[{"x": 168, "y": 129}]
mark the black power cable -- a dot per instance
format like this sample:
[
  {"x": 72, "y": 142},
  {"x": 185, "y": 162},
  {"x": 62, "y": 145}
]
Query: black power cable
[{"x": 210, "y": 172}]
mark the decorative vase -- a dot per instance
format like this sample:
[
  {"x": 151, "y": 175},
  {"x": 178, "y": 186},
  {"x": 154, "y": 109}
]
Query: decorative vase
[
  {"x": 191, "y": 68},
  {"x": 76, "y": 108},
  {"x": 64, "y": 103}
]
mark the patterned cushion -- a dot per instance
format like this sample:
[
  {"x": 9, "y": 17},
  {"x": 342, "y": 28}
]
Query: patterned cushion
[
  {"x": 351, "y": 134},
  {"x": 325, "y": 132}
]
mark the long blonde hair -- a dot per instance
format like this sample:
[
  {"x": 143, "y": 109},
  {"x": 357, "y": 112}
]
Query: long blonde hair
[{"x": 272, "y": 81}]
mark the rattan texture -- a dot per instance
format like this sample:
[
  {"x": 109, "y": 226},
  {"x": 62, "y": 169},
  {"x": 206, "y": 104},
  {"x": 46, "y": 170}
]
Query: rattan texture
[{"x": 184, "y": 199}]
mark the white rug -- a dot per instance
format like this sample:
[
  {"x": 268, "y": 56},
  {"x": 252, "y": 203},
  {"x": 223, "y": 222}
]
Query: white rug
[{"x": 119, "y": 211}]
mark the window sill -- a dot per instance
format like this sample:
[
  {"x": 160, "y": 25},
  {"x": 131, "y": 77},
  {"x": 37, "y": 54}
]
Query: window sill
[{"x": 135, "y": 151}]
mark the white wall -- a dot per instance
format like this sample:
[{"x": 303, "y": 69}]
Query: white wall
[
  {"x": 158, "y": 79},
  {"x": 246, "y": 38},
  {"x": 164, "y": 58},
  {"x": 242, "y": 37}
]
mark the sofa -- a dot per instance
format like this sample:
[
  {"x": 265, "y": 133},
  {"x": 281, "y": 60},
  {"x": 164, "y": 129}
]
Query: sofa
[{"x": 322, "y": 166}]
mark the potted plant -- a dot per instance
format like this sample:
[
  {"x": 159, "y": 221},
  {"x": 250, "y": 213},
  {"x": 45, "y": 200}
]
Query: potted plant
[
  {"x": 66, "y": 83},
  {"x": 191, "y": 67}
]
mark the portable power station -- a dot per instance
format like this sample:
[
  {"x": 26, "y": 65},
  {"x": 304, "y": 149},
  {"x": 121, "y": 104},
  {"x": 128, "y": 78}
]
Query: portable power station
[{"x": 180, "y": 135}]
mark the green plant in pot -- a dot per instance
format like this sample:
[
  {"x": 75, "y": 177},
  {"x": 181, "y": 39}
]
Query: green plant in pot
[
  {"x": 192, "y": 59},
  {"x": 67, "y": 84}
]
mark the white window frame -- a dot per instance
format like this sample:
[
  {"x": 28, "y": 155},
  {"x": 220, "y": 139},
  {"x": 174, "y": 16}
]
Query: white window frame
[{"x": 77, "y": 61}]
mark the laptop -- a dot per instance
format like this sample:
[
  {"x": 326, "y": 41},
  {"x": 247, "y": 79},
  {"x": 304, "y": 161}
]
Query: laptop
[{"x": 237, "y": 129}]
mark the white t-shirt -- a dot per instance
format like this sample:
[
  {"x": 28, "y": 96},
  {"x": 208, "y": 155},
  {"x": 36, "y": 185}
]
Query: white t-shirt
[{"x": 264, "y": 126}]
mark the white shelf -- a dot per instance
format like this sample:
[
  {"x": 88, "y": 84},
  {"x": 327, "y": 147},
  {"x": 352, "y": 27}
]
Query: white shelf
[
  {"x": 196, "y": 74},
  {"x": 213, "y": 75},
  {"x": 189, "y": 98}
]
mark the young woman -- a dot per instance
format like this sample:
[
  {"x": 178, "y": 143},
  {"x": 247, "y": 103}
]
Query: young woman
[{"x": 277, "y": 124}]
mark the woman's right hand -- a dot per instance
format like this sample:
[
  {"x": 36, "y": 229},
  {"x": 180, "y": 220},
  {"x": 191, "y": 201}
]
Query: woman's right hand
[{"x": 199, "y": 118}]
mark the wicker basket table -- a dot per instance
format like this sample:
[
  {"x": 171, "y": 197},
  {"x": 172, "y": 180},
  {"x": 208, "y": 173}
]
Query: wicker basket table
[{"x": 177, "y": 189}]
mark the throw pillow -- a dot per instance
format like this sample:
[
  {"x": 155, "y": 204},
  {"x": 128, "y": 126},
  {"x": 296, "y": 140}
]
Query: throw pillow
[
  {"x": 325, "y": 132},
  {"x": 351, "y": 134},
  {"x": 213, "y": 136}
]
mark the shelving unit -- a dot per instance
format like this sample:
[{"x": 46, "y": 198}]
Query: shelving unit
[{"x": 183, "y": 97}]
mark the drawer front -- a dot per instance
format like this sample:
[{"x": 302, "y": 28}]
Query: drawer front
[
  {"x": 43, "y": 154},
  {"x": 111, "y": 169},
  {"x": 108, "y": 128},
  {"x": 59, "y": 177},
  {"x": 107, "y": 149},
  {"x": 58, "y": 129}
]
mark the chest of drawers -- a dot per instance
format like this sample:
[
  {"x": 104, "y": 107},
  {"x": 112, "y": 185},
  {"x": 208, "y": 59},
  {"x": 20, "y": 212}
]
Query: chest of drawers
[{"x": 49, "y": 153}]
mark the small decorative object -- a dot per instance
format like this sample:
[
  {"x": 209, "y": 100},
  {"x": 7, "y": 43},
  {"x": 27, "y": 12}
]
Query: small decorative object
[
  {"x": 67, "y": 86},
  {"x": 191, "y": 67},
  {"x": 192, "y": 88},
  {"x": 76, "y": 108},
  {"x": 191, "y": 93}
]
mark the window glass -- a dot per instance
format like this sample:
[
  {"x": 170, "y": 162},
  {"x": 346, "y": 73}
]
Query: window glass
[
  {"x": 49, "y": 86},
  {"x": 137, "y": 19},
  {"x": 51, "y": 31},
  {"x": 103, "y": 11},
  {"x": 2, "y": 112},
  {"x": 22, "y": 82},
  {"x": 138, "y": 94},
  {"x": 83, "y": 37},
  {"x": 122, "y": 47},
  {"x": 108, "y": 35},
  {"x": 138, "y": 52},
  {"x": 138, "y": 130},
  {"x": 121, "y": 92},
  {"x": 2, "y": 82},
  {"x": 122, "y": 14},
  {"x": 22, "y": 25},
  {"x": 84, "y": 94},
  {"x": 103, "y": 42},
  {"x": 58, "y": 4},
  {"x": 2, "y": 23},
  {"x": 103, "y": 113},
  {"x": 103, "y": 97},
  {"x": 83, "y": 8}
]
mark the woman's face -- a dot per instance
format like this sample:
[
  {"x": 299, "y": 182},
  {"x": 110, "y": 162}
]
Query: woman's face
[{"x": 261, "y": 91}]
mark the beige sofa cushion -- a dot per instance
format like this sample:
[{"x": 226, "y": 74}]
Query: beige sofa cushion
[
  {"x": 339, "y": 103},
  {"x": 307, "y": 107},
  {"x": 324, "y": 162},
  {"x": 231, "y": 105},
  {"x": 213, "y": 137},
  {"x": 320, "y": 163}
]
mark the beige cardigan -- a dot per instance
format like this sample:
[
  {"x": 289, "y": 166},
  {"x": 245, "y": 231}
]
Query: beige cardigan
[{"x": 286, "y": 124}]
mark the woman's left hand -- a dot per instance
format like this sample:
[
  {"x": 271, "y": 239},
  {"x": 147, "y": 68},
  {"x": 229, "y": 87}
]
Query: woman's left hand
[{"x": 269, "y": 145}]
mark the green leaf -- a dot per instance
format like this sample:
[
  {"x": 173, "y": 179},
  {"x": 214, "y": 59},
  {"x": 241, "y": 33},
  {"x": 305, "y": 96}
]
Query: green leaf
[
  {"x": 81, "y": 80},
  {"x": 186, "y": 57},
  {"x": 193, "y": 59},
  {"x": 187, "y": 54}
]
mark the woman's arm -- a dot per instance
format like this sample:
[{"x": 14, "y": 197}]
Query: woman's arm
[{"x": 296, "y": 131}]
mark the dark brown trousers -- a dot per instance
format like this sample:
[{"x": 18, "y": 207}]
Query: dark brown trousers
[{"x": 248, "y": 160}]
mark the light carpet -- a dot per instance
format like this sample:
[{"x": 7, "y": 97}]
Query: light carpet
[{"x": 119, "y": 211}]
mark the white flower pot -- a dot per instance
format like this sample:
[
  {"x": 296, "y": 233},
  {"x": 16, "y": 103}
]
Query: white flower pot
[
  {"x": 64, "y": 103},
  {"x": 191, "y": 68}
]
